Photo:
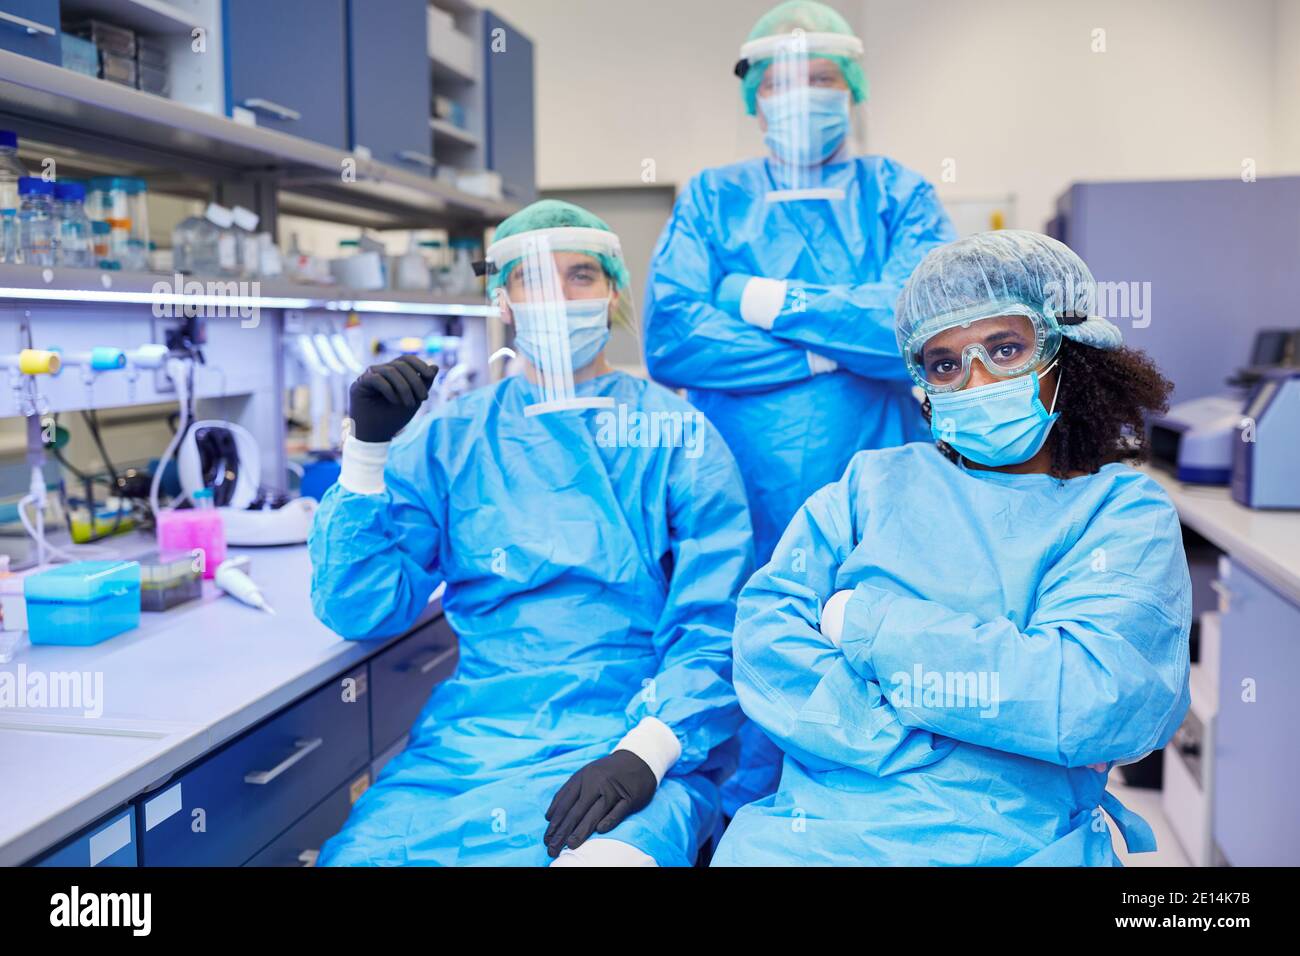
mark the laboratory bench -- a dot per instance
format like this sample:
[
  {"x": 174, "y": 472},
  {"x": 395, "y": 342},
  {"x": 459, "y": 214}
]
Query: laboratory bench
[
  {"x": 1233, "y": 768},
  {"x": 221, "y": 736}
]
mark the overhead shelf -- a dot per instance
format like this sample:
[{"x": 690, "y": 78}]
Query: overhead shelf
[
  {"x": 20, "y": 283},
  {"x": 157, "y": 17},
  {"x": 452, "y": 132},
  {"x": 443, "y": 70},
  {"x": 48, "y": 103}
]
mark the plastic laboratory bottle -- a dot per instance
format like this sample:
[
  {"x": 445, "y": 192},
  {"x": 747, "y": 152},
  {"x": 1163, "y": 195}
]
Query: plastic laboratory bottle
[
  {"x": 461, "y": 279},
  {"x": 75, "y": 245},
  {"x": 11, "y": 170},
  {"x": 205, "y": 245},
  {"x": 137, "y": 208},
  {"x": 248, "y": 253},
  {"x": 411, "y": 270},
  {"x": 436, "y": 253},
  {"x": 36, "y": 221},
  {"x": 297, "y": 264}
]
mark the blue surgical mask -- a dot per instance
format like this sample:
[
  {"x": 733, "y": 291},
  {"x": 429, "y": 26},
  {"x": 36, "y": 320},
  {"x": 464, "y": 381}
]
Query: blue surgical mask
[
  {"x": 805, "y": 126},
  {"x": 588, "y": 327},
  {"x": 995, "y": 425}
]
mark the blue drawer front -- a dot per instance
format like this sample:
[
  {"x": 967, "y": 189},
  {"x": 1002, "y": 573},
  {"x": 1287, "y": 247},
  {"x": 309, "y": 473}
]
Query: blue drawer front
[
  {"x": 403, "y": 676},
  {"x": 300, "y": 844},
  {"x": 223, "y": 810},
  {"x": 110, "y": 842},
  {"x": 18, "y": 38}
]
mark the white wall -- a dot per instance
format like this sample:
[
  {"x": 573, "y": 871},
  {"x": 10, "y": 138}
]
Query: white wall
[
  {"x": 1012, "y": 91},
  {"x": 1009, "y": 89},
  {"x": 1286, "y": 87},
  {"x": 621, "y": 81}
]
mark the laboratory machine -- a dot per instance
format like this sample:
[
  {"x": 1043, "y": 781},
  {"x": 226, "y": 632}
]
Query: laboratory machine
[{"x": 1266, "y": 445}]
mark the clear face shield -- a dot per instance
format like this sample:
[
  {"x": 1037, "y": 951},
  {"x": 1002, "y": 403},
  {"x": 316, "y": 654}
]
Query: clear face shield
[
  {"x": 560, "y": 289},
  {"x": 1013, "y": 342},
  {"x": 804, "y": 103}
]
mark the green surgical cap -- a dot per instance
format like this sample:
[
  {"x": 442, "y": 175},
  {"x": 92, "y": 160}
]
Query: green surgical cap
[
  {"x": 811, "y": 17},
  {"x": 551, "y": 214}
]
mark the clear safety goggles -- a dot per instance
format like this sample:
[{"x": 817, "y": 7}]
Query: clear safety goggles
[
  {"x": 806, "y": 111},
  {"x": 1015, "y": 340},
  {"x": 556, "y": 289}
]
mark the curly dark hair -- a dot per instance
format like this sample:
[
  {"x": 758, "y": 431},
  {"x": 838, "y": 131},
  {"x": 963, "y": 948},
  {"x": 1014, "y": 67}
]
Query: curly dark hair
[{"x": 1104, "y": 399}]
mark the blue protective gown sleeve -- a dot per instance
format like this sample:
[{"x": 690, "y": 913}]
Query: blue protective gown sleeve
[
  {"x": 712, "y": 554},
  {"x": 791, "y": 680},
  {"x": 690, "y": 342},
  {"x": 853, "y": 324},
  {"x": 374, "y": 557},
  {"x": 1099, "y": 673}
]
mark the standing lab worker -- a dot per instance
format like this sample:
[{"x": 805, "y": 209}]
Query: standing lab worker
[
  {"x": 591, "y": 577},
  {"x": 772, "y": 288},
  {"x": 956, "y": 641}
]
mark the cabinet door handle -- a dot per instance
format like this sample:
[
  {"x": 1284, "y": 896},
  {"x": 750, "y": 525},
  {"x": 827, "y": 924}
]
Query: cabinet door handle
[
  {"x": 413, "y": 156},
  {"x": 301, "y": 749},
  {"x": 270, "y": 106},
  {"x": 1225, "y": 595},
  {"x": 22, "y": 23},
  {"x": 429, "y": 664},
  {"x": 308, "y": 857}
]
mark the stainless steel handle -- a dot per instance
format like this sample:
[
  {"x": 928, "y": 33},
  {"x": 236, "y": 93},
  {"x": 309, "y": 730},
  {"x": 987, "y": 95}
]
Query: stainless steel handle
[
  {"x": 422, "y": 159},
  {"x": 308, "y": 857},
  {"x": 1225, "y": 595},
  {"x": 302, "y": 749},
  {"x": 270, "y": 106},
  {"x": 431, "y": 663},
  {"x": 22, "y": 23}
]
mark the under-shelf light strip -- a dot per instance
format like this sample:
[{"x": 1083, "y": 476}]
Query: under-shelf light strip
[{"x": 241, "y": 301}]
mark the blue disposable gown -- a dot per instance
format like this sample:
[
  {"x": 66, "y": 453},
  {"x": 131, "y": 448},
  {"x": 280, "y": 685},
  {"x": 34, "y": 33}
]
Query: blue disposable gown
[
  {"x": 846, "y": 262},
  {"x": 1070, "y": 600},
  {"x": 591, "y": 583}
]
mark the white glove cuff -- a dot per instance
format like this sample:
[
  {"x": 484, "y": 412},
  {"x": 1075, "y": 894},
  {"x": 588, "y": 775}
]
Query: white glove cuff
[
  {"x": 833, "y": 616},
  {"x": 654, "y": 742},
  {"x": 820, "y": 364},
  {"x": 362, "y": 469},
  {"x": 762, "y": 301}
]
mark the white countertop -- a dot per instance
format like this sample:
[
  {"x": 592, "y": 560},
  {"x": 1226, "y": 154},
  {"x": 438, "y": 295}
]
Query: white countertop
[
  {"x": 1267, "y": 543},
  {"x": 182, "y": 683}
]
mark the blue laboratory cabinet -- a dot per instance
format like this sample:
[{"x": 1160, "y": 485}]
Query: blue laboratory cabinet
[
  {"x": 288, "y": 63},
  {"x": 24, "y": 25},
  {"x": 221, "y": 811},
  {"x": 389, "y": 78},
  {"x": 108, "y": 842},
  {"x": 511, "y": 123},
  {"x": 1255, "y": 782}
]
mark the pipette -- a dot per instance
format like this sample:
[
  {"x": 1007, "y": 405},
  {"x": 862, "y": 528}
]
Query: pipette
[{"x": 232, "y": 579}]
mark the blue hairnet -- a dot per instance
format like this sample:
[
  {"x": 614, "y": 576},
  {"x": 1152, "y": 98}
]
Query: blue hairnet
[
  {"x": 984, "y": 274},
  {"x": 811, "y": 17},
  {"x": 550, "y": 214}
]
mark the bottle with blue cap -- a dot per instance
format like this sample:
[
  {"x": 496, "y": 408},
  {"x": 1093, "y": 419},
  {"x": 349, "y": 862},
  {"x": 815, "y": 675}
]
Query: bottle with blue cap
[
  {"x": 74, "y": 242},
  {"x": 36, "y": 221},
  {"x": 11, "y": 170}
]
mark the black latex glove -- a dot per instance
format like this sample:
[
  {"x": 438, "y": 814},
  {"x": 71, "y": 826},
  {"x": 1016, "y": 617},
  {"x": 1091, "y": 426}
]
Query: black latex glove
[
  {"x": 598, "y": 798},
  {"x": 385, "y": 397}
]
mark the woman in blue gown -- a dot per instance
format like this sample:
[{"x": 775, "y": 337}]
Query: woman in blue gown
[{"x": 954, "y": 642}]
